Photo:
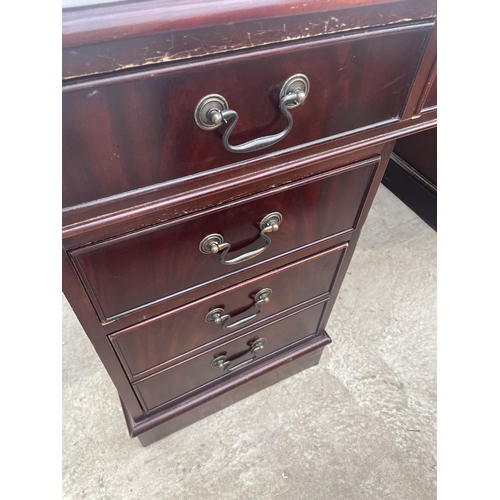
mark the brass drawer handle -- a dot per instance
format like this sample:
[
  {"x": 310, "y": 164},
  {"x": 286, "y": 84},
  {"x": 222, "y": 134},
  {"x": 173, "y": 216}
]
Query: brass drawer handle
[
  {"x": 213, "y": 110},
  {"x": 214, "y": 243},
  {"x": 219, "y": 316},
  {"x": 222, "y": 362}
]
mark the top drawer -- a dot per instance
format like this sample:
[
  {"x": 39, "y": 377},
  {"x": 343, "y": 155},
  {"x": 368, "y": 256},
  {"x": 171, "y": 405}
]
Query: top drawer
[{"x": 132, "y": 131}]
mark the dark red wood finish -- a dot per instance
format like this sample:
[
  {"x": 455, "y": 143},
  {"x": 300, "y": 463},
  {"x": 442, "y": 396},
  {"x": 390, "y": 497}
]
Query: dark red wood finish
[
  {"x": 125, "y": 36},
  {"x": 420, "y": 85},
  {"x": 144, "y": 347},
  {"x": 142, "y": 182},
  {"x": 197, "y": 371},
  {"x": 144, "y": 207},
  {"x": 412, "y": 174},
  {"x": 216, "y": 397},
  {"x": 427, "y": 98},
  {"x": 139, "y": 269},
  {"x": 430, "y": 101},
  {"x": 81, "y": 304},
  {"x": 420, "y": 151},
  {"x": 138, "y": 130},
  {"x": 106, "y": 22}
]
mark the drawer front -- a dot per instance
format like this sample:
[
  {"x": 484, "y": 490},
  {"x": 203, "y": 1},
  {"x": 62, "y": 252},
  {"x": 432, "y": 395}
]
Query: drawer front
[
  {"x": 127, "y": 274},
  {"x": 133, "y": 131},
  {"x": 431, "y": 99},
  {"x": 145, "y": 347},
  {"x": 197, "y": 371}
]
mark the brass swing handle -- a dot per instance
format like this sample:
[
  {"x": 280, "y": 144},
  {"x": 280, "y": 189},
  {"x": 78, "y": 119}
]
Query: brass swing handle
[
  {"x": 225, "y": 116},
  {"x": 214, "y": 243},
  {"x": 220, "y": 317},
  {"x": 222, "y": 362},
  {"x": 213, "y": 110}
]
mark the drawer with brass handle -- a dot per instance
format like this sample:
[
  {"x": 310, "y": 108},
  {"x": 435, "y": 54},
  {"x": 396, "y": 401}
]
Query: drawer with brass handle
[
  {"x": 227, "y": 358},
  {"x": 213, "y": 110},
  {"x": 168, "y": 338},
  {"x": 217, "y": 169},
  {"x": 224, "y": 363},
  {"x": 156, "y": 125},
  {"x": 134, "y": 276}
]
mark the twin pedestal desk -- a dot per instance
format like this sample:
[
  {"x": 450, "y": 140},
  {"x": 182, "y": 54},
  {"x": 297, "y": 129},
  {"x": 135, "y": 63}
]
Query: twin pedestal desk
[{"x": 219, "y": 161}]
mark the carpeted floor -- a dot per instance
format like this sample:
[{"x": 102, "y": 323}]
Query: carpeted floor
[{"x": 360, "y": 425}]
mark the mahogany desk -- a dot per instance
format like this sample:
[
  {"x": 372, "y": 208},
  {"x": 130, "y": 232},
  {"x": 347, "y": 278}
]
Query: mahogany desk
[{"x": 219, "y": 161}]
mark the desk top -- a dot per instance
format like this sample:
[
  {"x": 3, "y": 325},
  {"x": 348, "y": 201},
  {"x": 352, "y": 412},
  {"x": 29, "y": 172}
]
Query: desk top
[{"x": 105, "y": 36}]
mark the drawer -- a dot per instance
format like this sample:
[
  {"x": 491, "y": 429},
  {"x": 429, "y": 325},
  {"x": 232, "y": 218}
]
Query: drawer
[
  {"x": 128, "y": 132},
  {"x": 431, "y": 99},
  {"x": 151, "y": 344},
  {"x": 198, "y": 371},
  {"x": 133, "y": 272}
]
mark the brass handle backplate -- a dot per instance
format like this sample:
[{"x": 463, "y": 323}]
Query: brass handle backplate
[
  {"x": 222, "y": 361},
  {"x": 214, "y": 243},
  {"x": 219, "y": 316},
  {"x": 213, "y": 110}
]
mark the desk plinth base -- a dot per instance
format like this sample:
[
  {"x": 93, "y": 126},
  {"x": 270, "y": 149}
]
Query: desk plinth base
[{"x": 218, "y": 397}]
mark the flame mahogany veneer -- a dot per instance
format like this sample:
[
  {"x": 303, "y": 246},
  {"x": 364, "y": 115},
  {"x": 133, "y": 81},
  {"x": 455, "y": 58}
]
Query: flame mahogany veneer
[{"x": 143, "y": 184}]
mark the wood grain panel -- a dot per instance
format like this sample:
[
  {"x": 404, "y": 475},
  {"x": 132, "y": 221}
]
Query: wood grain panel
[
  {"x": 127, "y": 35},
  {"x": 142, "y": 184},
  {"x": 129, "y": 132},
  {"x": 130, "y": 272},
  {"x": 195, "y": 372},
  {"x": 105, "y": 23},
  {"x": 428, "y": 98},
  {"x": 431, "y": 99},
  {"x": 216, "y": 397},
  {"x": 420, "y": 151},
  {"x": 162, "y": 339}
]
